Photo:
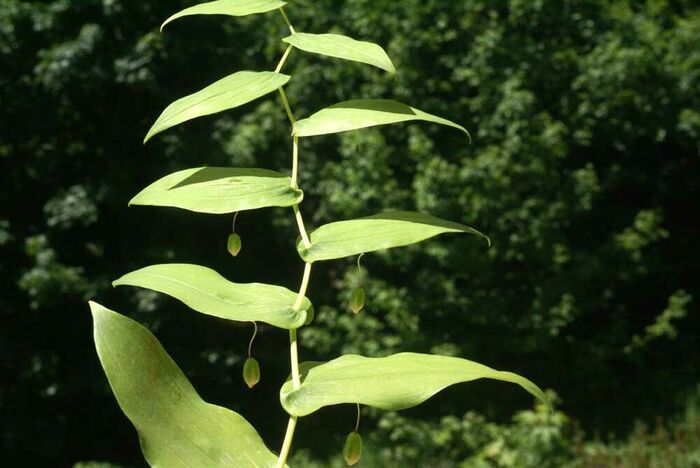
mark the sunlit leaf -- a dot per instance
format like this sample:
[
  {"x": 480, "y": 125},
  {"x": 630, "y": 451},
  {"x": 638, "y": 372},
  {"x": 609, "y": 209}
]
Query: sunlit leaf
[
  {"x": 343, "y": 47},
  {"x": 391, "y": 383},
  {"x": 383, "y": 231},
  {"x": 227, "y": 93},
  {"x": 362, "y": 113},
  {"x": 219, "y": 190},
  {"x": 175, "y": 426},
  {"x": 205, "y": 291},
  {"x": 228, "y": 7}
]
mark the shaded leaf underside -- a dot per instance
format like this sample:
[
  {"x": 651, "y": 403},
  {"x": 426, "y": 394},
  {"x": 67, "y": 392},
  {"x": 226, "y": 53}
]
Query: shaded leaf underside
[
  {"x": 228, "y": 7},
  {"x": 342, "y": 47},
  {"x": 383, "y": 231},
  {"x": 207, "y": 292},
  {"x": 227, "y": 93},
  {"x": 363, "y": 113},
  {"x": 219, "y": 190},
  {"x": 391, "y": 383},
  {"x": 176, "y": 427}
]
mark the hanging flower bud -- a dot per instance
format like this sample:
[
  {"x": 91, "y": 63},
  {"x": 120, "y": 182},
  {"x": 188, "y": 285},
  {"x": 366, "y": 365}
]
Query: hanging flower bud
[
  {"x": 251, "y": 372},
  {"x": 357, "y": 300},
  {"x": 234, "y": 244},
  {"x": 352, "y": 452}
]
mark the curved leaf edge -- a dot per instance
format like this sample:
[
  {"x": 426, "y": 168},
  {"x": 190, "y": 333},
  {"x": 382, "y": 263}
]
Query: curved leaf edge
[
  {"x": 302, "y": 316},
  {"x": 530, "y": 387},
  {"x": 193, "y": 11},
  {"x": 101, "y": 316}
]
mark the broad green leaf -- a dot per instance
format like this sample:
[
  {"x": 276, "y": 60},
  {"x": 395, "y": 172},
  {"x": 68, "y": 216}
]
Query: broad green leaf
[
  {"x": 228, "y": 7},
  {"x": 176, "y": 427},
  {"x": 391, "y": 383},
  {"x": 362, "y": 113},
  {"x": 205, "y": 291},
  {"x": 227, "y": 93},
  {"x": 378, "y": 232},
  {"x": 218, "y": 190},
  {"x": 343, "y": 47}
]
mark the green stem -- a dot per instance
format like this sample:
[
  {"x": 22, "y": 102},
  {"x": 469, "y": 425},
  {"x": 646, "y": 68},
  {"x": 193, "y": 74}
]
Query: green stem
[
  {"x": 286, "y": 20},
  {"x": 303, "y": 287},
  {"x": 302, "y": 230},
  {"x": 284, "y": 58},
  {"x": 293, "y": 342},
  {"x": 293, "y": 352},
  {"x": 287, "y": 109},
  {"x": 295, "y": 162},
  {"x": 284, "y": 453}
]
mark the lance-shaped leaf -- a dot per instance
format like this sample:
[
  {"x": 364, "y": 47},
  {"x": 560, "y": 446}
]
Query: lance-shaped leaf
[
  {"x": 228, "y": 7},
  {"x": 205, "y": 291},
  {"x": 218, "y": 190},
  {"x": 391, "y": 383},
  {"x": 227, "y": 93},
  {"x": 383, "y": 231},
  {"x": 176, "y": 427},
  {"x": 362, "y": 113},
  {"x": 343, "y": 47}
]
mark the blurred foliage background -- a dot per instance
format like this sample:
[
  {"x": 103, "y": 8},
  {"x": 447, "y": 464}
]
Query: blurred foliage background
[{"x": 584, "y": 170}]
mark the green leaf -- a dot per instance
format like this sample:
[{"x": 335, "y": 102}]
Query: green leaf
[
  {"x": 219, "y": 190},
  {"x": 391, "y": 383},
  {"x": 343, "y": 47},
  {"x": 227, "y": 93},
  {"x": 176, "y": 427},
  {"x": 382, "y": 231},
  {"x": 228, "y": 7},
  {"x": 205, "y": 291},
  {"x": 362, "y": 113}
]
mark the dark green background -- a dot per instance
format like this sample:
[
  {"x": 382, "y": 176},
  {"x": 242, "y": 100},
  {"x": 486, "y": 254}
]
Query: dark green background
[{"x": 584, "y": 170}]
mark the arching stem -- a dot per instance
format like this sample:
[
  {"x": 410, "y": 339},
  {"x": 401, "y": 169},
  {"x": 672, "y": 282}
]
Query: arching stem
[{"x": 293, "y": 341}]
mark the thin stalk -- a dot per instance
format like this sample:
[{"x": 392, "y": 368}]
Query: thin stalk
[
  {"x": 233, "y": 225},
  {"x": 302, "y": 229},
  {"x": 287, "y": 109},
  {"x": 287, "y": 444},
  {"x": 357, "y": 423},
  {"x": 284, "y": 58},
  {"x": 252, "y": 338},
  {"x": 295, "y": 162},
  {"x": 303, "y": 287},
  {"x": 286, "y": 20}
]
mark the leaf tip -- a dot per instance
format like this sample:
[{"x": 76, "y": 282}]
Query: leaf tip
[
  {"x": 96, "y": 309},
  {"x": 167, "y": 21}
]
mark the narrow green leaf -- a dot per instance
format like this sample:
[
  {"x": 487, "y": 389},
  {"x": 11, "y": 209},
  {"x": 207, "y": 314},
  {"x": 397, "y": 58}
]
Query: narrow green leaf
[
  {"x": 205, "y": 291},
  {"x": 219, "y": 190},
  {"x": 362, "y": 113},
  {"x": 378, "y": 232},
  {"x": 343, "y": 47},
  {"x": 391, "y": 383},
  {"x": 176, "y": 427},
  {"x": 227, "y": 93},
  {"x": 228, "y": 7}
]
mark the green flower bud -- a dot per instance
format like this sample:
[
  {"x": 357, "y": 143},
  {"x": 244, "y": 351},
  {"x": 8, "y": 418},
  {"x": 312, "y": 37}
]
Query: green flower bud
[
  {"x": 357, "y": 300},
  {"x": 352, "y": 452},
  {"x": 251, "y": 372},
  {"x": 234, "y": 244}
]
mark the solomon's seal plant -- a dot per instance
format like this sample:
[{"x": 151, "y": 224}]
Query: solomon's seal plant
[{"x": 176, "y": 427}]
